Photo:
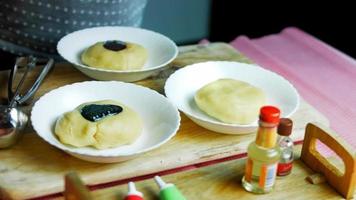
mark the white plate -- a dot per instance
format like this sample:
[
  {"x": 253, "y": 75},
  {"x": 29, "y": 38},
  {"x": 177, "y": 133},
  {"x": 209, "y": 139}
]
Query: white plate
[
  {"x": 181, "y": 87},
  {"x": 161, "y": 50},
  {"x": 160, "y": 117}
]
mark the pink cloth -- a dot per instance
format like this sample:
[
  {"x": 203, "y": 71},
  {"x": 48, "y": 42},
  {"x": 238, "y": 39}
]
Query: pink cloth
[{"x": 324, "y": 76}]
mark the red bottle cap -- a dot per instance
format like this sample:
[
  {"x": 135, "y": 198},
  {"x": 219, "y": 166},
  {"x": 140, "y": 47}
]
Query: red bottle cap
[
  {"x": 133, "y": 194},
  {"x": 133, "y": 197},
  {"x": 270, "y": 114}
]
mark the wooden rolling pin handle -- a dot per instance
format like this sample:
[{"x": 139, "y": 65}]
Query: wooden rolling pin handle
[{"x": 74, "y": 188}]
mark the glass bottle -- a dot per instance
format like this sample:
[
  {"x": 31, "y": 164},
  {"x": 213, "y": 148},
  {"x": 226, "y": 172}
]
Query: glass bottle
[
  {"x": 263, "y": 154},
  {"x": 285, "y": 144}
]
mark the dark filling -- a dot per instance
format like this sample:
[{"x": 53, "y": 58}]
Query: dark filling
[
  {"x": 115, "y": 45},
  {"x": 95, "y": 112}
]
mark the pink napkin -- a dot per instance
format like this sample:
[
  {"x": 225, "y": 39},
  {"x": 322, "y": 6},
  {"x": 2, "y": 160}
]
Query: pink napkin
[{"x": 324, "y": 76}]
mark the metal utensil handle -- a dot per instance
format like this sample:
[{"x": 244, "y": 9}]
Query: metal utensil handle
[
  {"x": 37, "y": 83},
  {"x": 12, "y": 78},
  {"x": 14, "y": 96}
]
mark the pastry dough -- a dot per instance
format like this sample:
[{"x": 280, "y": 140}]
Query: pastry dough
[
  {"x": 123, "y": 56},
  {"x": 110, "y": 131},
  {"x": 231, "y": 101}
]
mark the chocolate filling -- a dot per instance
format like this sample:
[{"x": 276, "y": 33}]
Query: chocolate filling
[
  {"x": 115, "y": 45},
  {"x": 95, "y": 112}
]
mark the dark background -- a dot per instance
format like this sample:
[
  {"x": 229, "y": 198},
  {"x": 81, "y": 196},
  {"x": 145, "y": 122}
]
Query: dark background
[
  {"x": 189, "y": 21},
  {"x": 334, "y": 23}
]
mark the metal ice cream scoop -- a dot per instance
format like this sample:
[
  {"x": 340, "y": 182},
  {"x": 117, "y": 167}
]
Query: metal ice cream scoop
[{"x": 12, "y": 119}]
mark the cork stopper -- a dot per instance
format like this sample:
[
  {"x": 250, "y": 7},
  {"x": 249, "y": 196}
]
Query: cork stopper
[{"x": 285, "y": 127}]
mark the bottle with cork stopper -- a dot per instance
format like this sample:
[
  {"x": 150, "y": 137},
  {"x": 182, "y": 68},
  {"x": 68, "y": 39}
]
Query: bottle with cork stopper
[
  {"x": 263, "y": 154},
  {"x": 286, "y": 147}
]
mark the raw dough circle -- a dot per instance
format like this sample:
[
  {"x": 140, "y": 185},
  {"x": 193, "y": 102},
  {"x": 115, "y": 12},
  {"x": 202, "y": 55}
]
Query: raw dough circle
[
  {"x": 110, "y": 131},
  {"x": 132, "y": 57},
  {"x": 231, "y": 101}
]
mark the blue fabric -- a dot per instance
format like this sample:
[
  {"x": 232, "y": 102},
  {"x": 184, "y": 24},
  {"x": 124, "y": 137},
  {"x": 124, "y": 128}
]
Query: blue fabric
[{"x": 35, "y": 26}]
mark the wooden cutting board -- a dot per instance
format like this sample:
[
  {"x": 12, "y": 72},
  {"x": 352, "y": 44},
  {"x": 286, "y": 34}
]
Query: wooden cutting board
[
  {"x": 223, "y": 181},
  {"x": 34, "y": 168}
]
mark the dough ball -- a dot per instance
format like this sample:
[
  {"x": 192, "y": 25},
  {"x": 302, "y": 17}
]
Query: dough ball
[
  {"x": 115, "y": 55},
  {"x": 99, "y": 126},
  {"x": 231, "y": 101}
]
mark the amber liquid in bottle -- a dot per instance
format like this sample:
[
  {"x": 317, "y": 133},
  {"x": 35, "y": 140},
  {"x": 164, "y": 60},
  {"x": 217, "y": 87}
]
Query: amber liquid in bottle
[{"x": 262, "y": 161}]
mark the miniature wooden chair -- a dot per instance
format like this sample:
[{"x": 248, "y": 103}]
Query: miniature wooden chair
[{"x": 345, "y": 182}]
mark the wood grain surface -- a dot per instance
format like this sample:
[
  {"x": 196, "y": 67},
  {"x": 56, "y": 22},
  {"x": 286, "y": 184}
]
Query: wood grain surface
[
  {"x": 34, "y": 168},
  {"x": 342, "y": 180},
  {"x": 223, "y": 181}
]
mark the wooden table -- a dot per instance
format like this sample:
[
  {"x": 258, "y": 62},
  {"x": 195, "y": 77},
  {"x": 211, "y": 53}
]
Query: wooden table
[
  {"x": 223, "y": 181},
  {"x": 33, "y": 168}
]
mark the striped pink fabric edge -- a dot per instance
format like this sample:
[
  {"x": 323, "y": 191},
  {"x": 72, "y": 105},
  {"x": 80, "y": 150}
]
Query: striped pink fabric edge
[{"x": 297, "y": 55}]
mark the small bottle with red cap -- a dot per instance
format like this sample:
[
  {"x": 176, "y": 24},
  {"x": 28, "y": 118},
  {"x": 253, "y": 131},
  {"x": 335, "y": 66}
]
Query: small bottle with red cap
[
  {"x": 286, "y": 147},
  {"x": 133, "y": 194},
  {"x": 263, "y": 153}
]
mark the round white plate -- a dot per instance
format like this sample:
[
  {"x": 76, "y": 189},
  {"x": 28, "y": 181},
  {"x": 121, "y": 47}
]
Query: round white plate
[
  {"x": 161, "y": 50},
  {"x": 182, "y": 85},
  {"x": 160, "y": 117}
]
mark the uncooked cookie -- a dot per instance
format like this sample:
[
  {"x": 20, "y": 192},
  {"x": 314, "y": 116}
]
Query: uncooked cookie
[
  {"x": 231, "y": 101},
  {"x": 101, "y": 124},
  {"x": 115, "y": 55}
]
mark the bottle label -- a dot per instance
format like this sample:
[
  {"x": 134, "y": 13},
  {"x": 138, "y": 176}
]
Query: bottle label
[
  {"x": 284, "y": 168},
  {"x": 267, "y": 175},
  {"x": 264, "y": 175},
  {"x": 248, "y": 170}
]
